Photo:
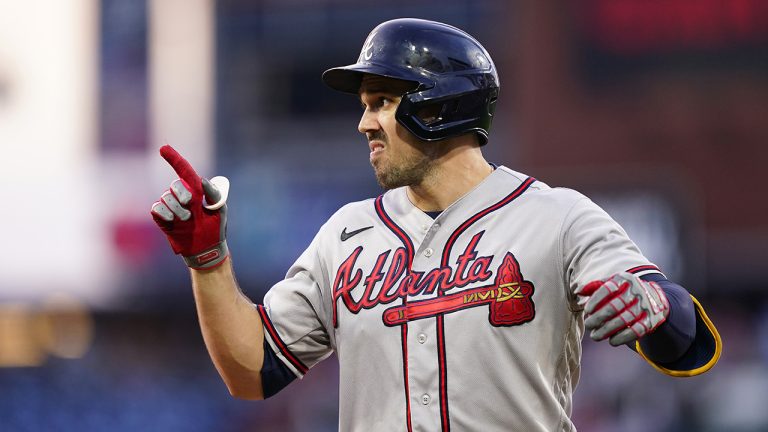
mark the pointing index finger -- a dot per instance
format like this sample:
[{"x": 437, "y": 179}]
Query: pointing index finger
[{"x": 183, "y": 169}]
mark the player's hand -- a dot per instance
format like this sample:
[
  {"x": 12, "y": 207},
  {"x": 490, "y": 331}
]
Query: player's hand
[
  {"x": 195, "y": 230},
  {"x": 622, "y": 308}
]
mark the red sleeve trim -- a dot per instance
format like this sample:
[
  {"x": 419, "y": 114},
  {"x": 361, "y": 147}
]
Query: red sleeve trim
[{"x": 644, "y": 268}]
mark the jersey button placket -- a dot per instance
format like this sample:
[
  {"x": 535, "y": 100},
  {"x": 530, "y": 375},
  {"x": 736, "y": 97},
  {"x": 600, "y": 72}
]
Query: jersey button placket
[
  {"x": 423, "y": 373},
  {"x": 423, "y": 363}
]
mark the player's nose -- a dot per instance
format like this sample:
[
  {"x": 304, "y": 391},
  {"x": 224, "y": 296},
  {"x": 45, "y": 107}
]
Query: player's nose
[{"x": 368, "y": 122}]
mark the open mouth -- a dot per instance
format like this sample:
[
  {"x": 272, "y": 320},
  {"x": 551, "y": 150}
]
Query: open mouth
[{"x": 376, "y": 147}]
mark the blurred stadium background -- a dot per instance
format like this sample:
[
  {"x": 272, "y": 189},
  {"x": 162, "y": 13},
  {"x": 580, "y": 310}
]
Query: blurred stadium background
[{"x": 658, "y": 109}]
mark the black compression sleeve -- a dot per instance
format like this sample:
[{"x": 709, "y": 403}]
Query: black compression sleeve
[
  {"x": 675, "y": 336},
  {"x": 274, "y": 374}
]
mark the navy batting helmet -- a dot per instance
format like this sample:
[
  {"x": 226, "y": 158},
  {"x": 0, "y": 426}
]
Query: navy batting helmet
[{"x": 453, "y": 75}]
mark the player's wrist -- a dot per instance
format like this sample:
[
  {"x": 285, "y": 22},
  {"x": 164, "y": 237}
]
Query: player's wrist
[{"x": 209, "y": 258}]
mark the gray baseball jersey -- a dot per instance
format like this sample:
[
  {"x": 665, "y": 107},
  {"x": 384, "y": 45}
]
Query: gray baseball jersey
[{"x": 463, "y": 322}]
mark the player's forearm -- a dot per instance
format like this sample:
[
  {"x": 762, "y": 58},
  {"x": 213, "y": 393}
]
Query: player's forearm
[
  {"x": 232, "y": 330},
  {"x": 673, "y": 338}
]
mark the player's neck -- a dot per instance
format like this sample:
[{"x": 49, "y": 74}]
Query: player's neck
[{"x": 458, "y": 171}]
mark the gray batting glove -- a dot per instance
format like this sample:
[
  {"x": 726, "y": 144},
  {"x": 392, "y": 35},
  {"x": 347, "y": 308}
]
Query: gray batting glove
[{"x": 622, "y": 308}]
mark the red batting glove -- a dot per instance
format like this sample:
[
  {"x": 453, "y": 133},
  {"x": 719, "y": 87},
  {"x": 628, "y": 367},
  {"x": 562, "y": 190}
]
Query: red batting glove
[
  {"x": 194, "y": 230},
  {"x": 622, "y": 308}
]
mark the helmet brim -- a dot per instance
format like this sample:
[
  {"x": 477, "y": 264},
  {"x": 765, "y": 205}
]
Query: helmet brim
[{"x": 348, "y": 79}]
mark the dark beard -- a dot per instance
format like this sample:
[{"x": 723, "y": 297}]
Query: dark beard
[{"x": 412, "y": 172}]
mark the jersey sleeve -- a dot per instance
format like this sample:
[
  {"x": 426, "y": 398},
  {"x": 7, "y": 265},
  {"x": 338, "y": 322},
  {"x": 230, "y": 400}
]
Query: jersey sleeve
[
  {"x": 295, "y": 314},
  {"x": 596, "y": 247}
]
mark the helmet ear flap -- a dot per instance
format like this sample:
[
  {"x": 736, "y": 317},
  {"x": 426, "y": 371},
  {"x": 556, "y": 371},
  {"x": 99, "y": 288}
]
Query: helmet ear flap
[
  {"x": 432, "y": 113},
  {"x": 491, "y": 104},
  {"x": 448, "y": 116}
]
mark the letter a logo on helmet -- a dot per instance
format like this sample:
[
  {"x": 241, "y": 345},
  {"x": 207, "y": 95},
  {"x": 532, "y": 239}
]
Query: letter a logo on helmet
[
  {"x": 367, "y": 51},
  {"x": 452, "y": 75}
]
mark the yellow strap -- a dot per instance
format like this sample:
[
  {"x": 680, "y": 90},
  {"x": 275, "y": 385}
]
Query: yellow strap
[{"x": 699, "y": 370}]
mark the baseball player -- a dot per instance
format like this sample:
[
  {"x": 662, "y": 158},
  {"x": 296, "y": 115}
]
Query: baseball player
[{"x": 457, "y": 300}]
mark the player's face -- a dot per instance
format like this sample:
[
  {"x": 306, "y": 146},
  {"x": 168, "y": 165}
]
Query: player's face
[{"x": 397, "y": 156}]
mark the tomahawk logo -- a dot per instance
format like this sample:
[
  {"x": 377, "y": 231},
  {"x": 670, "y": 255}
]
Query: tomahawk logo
[
  {"x": 509, "y": 299},
  {"x": 509, "y": 296}
]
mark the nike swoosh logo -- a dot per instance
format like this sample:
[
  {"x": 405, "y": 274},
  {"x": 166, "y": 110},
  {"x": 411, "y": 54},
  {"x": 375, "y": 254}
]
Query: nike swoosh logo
[{"x": 346, "y": 235}]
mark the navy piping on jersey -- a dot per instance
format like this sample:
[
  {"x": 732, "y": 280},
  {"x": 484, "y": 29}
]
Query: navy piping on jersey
[
  {"x": 441, "y": 351},
  {"x": 400, "y": 234}
]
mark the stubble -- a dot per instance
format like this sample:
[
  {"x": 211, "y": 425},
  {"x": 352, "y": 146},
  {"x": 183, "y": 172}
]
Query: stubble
[{"x": 409, "y": 168}]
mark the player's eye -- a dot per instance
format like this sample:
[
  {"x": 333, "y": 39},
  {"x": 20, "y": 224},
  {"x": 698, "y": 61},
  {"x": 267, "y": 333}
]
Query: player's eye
[{"x": 376, "y": 103}]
